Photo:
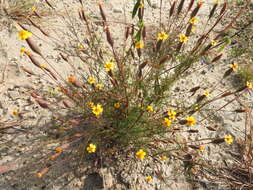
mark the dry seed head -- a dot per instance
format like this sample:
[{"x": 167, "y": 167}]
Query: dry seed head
[
  {"x": 180, "y": 6},
  {"x": 223, "y": 8},
  {"x": 213, "y": 11},
  {"x": 33, "y": 46},
  {"x": 54, "y": 156},
  {"x": 101, "y": 11},
  {"x": 172, "y": 8},
  {"x": 42, "y": 172},
  {"x": 216, "y": 58},
  {"x": 108, "y": 36},
  {"x": 190, "y": 5}
]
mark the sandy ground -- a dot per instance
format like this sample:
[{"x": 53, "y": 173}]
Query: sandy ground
[{"x": 15, "y": 91}]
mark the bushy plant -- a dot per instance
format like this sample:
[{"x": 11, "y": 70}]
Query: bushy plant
[{"x": 125, "y": 92}]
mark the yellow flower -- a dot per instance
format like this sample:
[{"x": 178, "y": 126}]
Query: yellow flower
[
  {"x": 71, "y": 79},
  {"x": 172, "y": 114},
  {"x": 109, "y": 66},
  {"x": 193, "y": 30},
  {"x": 213, "y": 43},
  {"x": 97, "y": 110},
  {"x": 167, "y": 122},
  {"x": 249, "y": 84},
  {"x": 80, "y": 47},
  {"x": 150, "y": 108},
  {"x": 141, "y": 154},
  {"x": 23, "y": 51},
  {"x": 149, "y": 179},
  {"x": 141, "y": 5},
  {"x": 233, "y": 66},
  {"x": 90, "y": 104},
  {"x": 162, "y": 36},
  {"x": 206, "y": 93},
  {"x": 33, "y": 9},
  {"x": 15, "y": 112},
  {"x": 190, "y": 121},
  {"x": 91, "y": 148},
  {"x": 99, "y": 86},
  {"x": 183, "y": 38},
  {"x": 202, "y": 148},
  {"x": 163, "y": 158},
  {"x": 193, "y": 20},
  {"x": 58, "y": 149},
  {"x": 91, "y": 80},
  {"x": 228, "y": 139},
  {"x": 117, "y": 105},
  {"x": 24, "y": 34},
  {"x": 139, "y": 45}
]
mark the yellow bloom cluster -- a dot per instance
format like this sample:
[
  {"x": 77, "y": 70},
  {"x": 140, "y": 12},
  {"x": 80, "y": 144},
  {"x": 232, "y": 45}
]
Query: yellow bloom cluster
[
  {"x": 162, "y": 36},
  {"x": 202, "y": 148},
  {"x": 90, "y": 104},
  {"x": 172, "y": 114},
  {"x": 193, "y": 20},
  {"x": 80, "y": 47},
  {"x": 233, "y": 66},
  {"x": 139, "y": 45},
  {"x": 141, "y": 5},
  {"x": 163, "y": 158},
  {"x": 140, "y": 154},
  {"x": 97, "y": 110},
  {"x": 24, "y": 34},
  {"x": 190, "y": 121},
  {"x": 166, "y": 122},
  {"x": 206, "y": 93},
  {"x": 15, "y": 112},
  {"x": 99, "y": 86},
  {"x": 249, "y": 84},
  {"x": 228, "y": 139},
  {"x": 109, "y": 66},
  {"x": 117, "y": 105},
  {"x": 183, "y": 38},
  {"x": 150, "y": 108},
  {"x": 91, "y": 148},
  {"x": 213, "y": 43},
  {"x": 149, "y": 179},
  {"x": 91, "y": 80}
]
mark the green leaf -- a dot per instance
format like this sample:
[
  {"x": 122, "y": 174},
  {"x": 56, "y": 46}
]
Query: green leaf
[
  {"x": 226, "y": 41},
  {"x": 138, "y": 36},
  {"x": 136, "y": 7}
]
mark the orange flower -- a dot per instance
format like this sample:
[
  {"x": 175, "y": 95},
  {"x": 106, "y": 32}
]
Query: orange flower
[{"x": 72, "y": 79}]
